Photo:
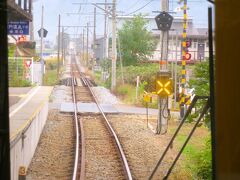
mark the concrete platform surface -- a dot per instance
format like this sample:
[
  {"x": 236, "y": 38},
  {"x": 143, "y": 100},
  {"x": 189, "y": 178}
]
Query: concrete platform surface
[
  {"x": 17, "y": 93},
  {"x": 22, "y": 113}
]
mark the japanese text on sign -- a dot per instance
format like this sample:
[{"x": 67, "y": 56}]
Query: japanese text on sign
[{"x": 18, "y": 28}]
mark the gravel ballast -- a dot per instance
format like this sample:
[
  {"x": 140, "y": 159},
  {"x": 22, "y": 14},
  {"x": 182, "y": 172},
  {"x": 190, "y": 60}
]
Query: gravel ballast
[{"x": 54, "y": 156}]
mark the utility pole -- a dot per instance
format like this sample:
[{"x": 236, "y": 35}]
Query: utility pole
[
  {"x": 163, "y": 102},
  {"x": 31, "y": 23},
  {"x": 62, "y": 45},
  {"x": 105, "y": 31},
  {"x": 87, "y": 45},
  {"x": 83, "y": 58},
  {"x": 94, "y": 37},
  {"x": 41, "y": 49},
  {"x": 114, "y": 53},
  {"x": 58, "y": 58}
]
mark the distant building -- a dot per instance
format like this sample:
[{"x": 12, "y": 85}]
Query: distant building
[
  {"x": 197, "y": 36},
  {"x": 100, "y": 49}
]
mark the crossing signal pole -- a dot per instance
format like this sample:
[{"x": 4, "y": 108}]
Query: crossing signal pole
[
  {"x": 163, "y": 101},
  {"x": 184, "y": 48}
]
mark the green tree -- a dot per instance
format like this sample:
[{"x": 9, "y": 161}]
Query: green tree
[
  {"x": 201, "y": 84},
  {"x": 201, "y": 79},
  {"x": 136, "y": 41}
]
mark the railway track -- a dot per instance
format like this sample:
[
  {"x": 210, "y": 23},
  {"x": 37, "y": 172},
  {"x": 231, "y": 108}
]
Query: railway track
[{"x": 99, "y": 154}]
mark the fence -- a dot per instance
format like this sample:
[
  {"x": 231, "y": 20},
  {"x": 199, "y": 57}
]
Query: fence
[{"x": 23, "y": 71}]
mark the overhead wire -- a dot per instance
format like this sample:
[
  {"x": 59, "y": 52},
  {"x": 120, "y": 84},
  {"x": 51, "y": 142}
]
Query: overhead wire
[{"x": 139, "y": 8}]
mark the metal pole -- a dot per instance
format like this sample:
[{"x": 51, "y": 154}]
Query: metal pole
[
  {"x": 147, "y": 112},
  {"x": 175, "y": 73},
  {"x": 162, "y": 121},
  {"x": 183, "y": 81},
  {"x": 5, "y": 168},
  {"x": 41, "y": 56},
  {"x": 59, "y": 25},
  {"x": 172, "y": 57},
  {"x": 114, "y": 53},
  {"x": 87, "y": 46},
  {"x": 83, "y": 45},
  {"x": 25, "y": 5},
  {"x": 62, "y": 44},
  {"x": 212, "y": 92},
  {"x": 105, "y": 31},
  {"x": 94, "y": 37},
  {"x": 120, "y": 57}
]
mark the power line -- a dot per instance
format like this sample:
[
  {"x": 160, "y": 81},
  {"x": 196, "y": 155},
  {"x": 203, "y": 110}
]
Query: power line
[
  {"x": 134, "y": 4},
  {"x": 139, "y": 8}
]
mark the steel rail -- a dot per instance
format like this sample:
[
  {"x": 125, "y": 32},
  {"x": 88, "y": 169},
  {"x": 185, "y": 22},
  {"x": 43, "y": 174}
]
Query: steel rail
[
  {"x": 76, "y": 161},
  {"x": 119, "y": 146}
]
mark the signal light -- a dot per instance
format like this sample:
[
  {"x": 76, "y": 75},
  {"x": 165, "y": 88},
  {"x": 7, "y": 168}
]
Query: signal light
[
  {"x": 163, "y": 84},
  {"x": 187, "y": 56}
]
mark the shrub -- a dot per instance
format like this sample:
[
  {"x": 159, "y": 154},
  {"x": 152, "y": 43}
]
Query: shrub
[
  {"x": 204, "y": 165},
  {"x": 124, "y": 90}
]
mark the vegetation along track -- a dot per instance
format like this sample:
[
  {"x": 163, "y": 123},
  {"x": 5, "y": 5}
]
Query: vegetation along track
[{"x": 102, "y": 156}]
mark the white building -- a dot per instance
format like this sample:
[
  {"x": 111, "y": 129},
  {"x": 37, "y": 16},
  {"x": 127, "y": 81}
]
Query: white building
[{"x": 197, "y": 36}]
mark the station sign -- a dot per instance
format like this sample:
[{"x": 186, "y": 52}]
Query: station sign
[{"x": 18, "y": 28}]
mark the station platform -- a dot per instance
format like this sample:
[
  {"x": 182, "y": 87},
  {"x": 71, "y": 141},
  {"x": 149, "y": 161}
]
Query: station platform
[
  {"x": 17, "y": 93},
  {"x": 28, "y": 115},
  {"x": 30, "y": 102}
]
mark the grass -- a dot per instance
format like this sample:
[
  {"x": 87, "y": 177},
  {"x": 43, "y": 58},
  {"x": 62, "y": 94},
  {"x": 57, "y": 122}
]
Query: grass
[
  {"x": 195, "y": 161},
  {"x": 50, "y": 78}
]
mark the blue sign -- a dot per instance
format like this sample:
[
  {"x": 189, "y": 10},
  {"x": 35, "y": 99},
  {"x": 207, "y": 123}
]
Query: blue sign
[{"x": 18, "y": 28}]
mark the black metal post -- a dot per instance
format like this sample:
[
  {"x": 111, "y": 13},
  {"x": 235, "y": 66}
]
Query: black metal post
[
  {"x": 30, "y": 6},
  {"x": 4, "y": 110},
  {"x": 212, "y": 90},
  {"x": 20, "y": 3},
  {"x": 25, "y": 5}
]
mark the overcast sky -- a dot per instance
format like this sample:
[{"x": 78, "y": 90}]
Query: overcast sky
[{"x": 52, "y": 8}]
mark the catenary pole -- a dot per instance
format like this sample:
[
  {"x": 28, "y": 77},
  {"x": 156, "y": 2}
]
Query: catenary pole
[
  {"x": 58, "y": 57},
  {"x": 105, "y": 32},
  {"x": 87, "y": 45},
  {"x": 41, "y": 48},
  {"x": 114, "y": 53}
]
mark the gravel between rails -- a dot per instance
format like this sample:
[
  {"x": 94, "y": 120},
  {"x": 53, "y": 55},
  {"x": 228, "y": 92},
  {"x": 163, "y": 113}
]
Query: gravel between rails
[
  {"x": 141, "y": 146},
  {"x": 83, "y": 94},
  {"x": 54, "y": 156},
  {"x": 102, "y": 158}
]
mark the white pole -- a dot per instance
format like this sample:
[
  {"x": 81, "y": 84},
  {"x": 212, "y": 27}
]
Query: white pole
[
  {"x": 137, "y": 87},
  {"x": 114, "y": 53},
  {"x": 42, "y": 62},
  {"x": 32, "y": 70}
]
